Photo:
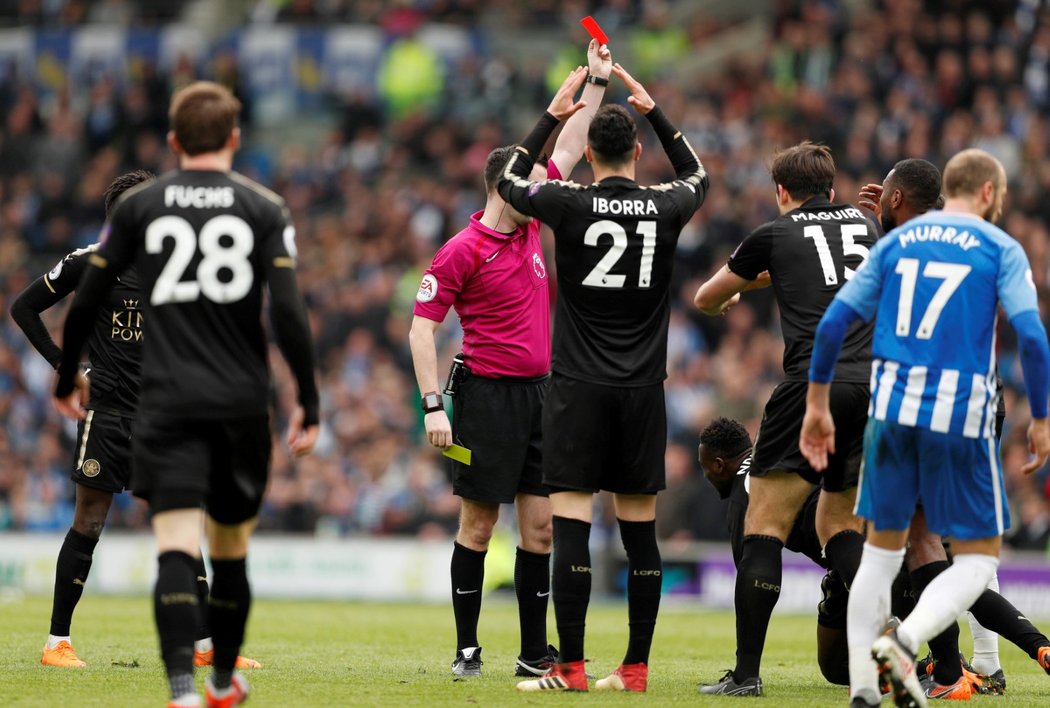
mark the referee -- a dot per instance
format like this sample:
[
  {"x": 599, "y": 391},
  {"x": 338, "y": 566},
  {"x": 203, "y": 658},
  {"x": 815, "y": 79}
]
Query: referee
[{"x": 494, "y": 274}]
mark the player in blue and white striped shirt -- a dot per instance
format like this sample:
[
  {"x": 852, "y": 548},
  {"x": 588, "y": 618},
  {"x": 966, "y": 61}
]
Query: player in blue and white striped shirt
[{"x": 933, "y": 286}]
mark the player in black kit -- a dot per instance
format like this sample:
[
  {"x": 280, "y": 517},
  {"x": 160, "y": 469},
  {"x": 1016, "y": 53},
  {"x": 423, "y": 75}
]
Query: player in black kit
[
  {"x": 205, "y": 242},
  {"x": 808, "y": 252},
  {"x": 604, "y": 421},
  {"x": 725, "y": 457},
  {"x": 102, "y": 457},
  {"x": 102, "y": 465}
]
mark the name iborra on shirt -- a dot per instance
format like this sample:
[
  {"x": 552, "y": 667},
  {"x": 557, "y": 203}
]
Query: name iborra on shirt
[
  {"x": 199, "y": 197},
  {"x": 625, "y": 207}
]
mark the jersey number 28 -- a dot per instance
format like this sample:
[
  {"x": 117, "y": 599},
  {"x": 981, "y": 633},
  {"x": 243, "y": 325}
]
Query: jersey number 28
[{"x": 231, "y": 256}]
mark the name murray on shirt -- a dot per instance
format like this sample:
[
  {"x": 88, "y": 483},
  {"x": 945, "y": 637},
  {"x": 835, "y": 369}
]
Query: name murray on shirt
[{"x": 940, "y": 234}]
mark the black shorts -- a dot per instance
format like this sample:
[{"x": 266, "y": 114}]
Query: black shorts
[
  {"x": 498, "y": 420},
  {"x": 102, "y": 459},
  {"x": 221, "y": 465},
  {"x": 777, "y": 445},
  {"x": 604, "y": 437}
]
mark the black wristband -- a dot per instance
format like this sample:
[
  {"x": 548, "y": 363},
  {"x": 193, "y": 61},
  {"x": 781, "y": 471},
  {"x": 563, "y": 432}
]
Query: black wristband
[
  {"x": 431, "y": 402},
  {"x": 596, "y": 80}
]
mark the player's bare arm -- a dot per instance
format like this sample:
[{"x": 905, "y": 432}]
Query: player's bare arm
[
  {"x": 721, "y": 291},
  {"x": 424, "y": 360},
  {"x": 568, "y": 148}
]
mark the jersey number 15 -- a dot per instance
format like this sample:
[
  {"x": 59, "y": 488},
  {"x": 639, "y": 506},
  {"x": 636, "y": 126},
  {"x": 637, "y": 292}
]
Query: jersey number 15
[
  {"x": 850, "y": 247},
  {"x": 231, "y": 256}
]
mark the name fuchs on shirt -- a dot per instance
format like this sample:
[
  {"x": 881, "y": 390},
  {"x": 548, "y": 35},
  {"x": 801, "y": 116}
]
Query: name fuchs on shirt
[{"x": 185, "y": 196}]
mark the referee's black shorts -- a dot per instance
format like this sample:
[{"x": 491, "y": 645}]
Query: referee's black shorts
[
  {"x": 777, "y": 445},
  {"x": 498, "y": 420},
  {"x": 602, "y": 437}
]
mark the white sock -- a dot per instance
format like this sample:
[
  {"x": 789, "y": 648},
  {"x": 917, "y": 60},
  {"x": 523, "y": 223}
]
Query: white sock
[
  {"x": 203, "y": 644},
  {"x": 946, "y": 597},
  {"x": 52, "y": 641},
  {"x": 985, "y": 642},
  {"x": 867, "y": 612}
]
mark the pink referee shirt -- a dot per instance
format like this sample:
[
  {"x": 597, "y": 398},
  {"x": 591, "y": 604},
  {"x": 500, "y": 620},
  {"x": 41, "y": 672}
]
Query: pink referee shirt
[{"x": 498, "y": 285}]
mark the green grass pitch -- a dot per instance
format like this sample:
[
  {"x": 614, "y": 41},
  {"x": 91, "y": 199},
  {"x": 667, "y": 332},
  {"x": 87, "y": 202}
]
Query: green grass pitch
[{"x": 363, "y": 654}]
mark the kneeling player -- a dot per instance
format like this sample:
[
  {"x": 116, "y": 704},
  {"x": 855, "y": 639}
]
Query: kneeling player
[{"x": 725, "y": 456}]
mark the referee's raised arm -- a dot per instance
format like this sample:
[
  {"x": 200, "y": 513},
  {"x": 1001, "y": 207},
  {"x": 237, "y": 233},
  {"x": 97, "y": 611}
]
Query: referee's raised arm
[{"x": 514, "y": 185}]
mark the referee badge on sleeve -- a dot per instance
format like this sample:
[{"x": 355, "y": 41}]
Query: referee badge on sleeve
[{"x": 428, "y": 288}]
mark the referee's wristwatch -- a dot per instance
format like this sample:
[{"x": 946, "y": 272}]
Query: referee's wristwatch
[{"x": 432, "y": 402}]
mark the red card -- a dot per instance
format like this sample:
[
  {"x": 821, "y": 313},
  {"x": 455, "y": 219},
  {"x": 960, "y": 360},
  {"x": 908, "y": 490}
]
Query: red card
[{"x": 591, "y": 25}]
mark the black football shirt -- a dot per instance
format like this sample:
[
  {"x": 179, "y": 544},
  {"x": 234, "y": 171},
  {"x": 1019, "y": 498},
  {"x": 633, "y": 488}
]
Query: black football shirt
[
  {"x": 204, "y": 243},
  {"x": 614, "y": 248},
  {"x": 115, "y": 344},
  {"x": 810, "y": 253}
]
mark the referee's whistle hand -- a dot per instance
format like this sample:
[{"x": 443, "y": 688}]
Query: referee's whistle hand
[{"x": 439, "y": 430}]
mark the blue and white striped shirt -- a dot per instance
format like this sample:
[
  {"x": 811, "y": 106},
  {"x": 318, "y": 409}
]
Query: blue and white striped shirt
[{"x": 933, "y": 286}]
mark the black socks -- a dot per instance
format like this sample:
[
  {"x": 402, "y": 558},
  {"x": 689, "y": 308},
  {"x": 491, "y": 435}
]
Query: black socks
[
  {"x": 947, "y": 668},
  {"x": 175, "y": 607},
  {"x": 468, "y": 575},
  {"x": 644, "y": 580},
  {"x": 71, "y": 572},
  {"x": 571, "y": 584},
  {"x": 228, "y": 605},
  {"x": 757, "y": 591},
  {"x": 532, "y": 585},
  {"x": 843, "y": 551},
  {"x": 994, "y": 612},
  {"x": 203, "y": 629}
]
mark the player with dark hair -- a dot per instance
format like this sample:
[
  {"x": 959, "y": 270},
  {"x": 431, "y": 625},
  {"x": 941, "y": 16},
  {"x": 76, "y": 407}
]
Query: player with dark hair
[
  {"x": 604, "y": 420},
  {"x": 809, "y": 252},
  {"x": 933, "y": 286},
  {"x": 912, "y": 188},
  {"x": 102, "y": 465},
  {"x": 204, "y": 241},
  {"x": 493, "y": 273},
  {"x": 725, "y": 457}
]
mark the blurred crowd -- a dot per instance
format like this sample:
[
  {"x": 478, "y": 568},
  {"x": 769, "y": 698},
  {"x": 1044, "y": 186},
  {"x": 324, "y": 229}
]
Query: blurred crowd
[{"x": 388, "y": 182}]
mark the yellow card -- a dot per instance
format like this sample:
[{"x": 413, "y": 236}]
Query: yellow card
[{"x": 458, "y": 453}]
